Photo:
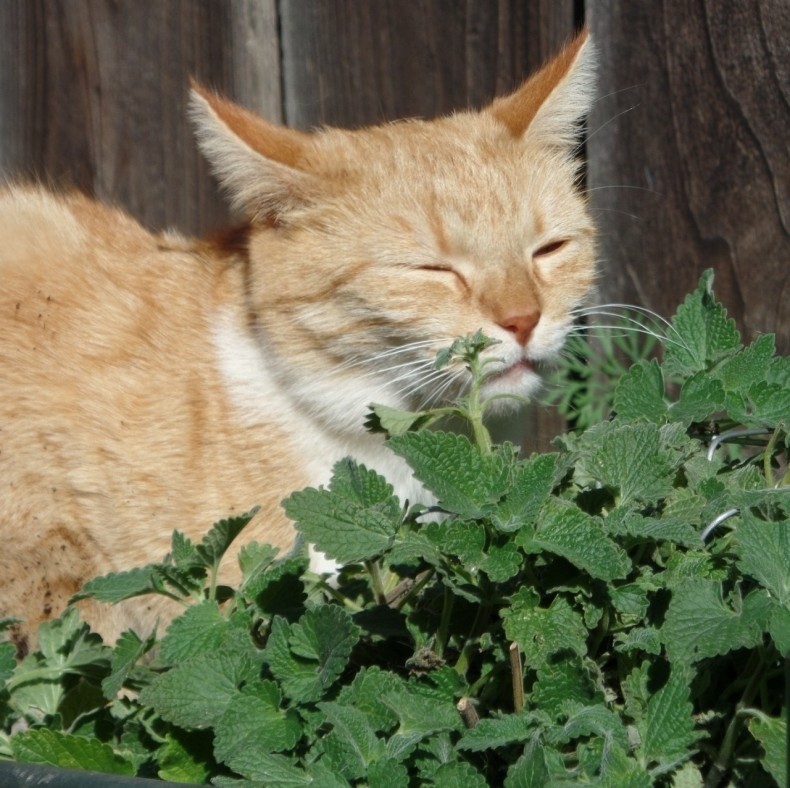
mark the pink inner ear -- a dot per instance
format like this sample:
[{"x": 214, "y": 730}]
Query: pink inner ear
[
  {"x": 278, "y": 143},
  {"x": 518, "y": 109}
]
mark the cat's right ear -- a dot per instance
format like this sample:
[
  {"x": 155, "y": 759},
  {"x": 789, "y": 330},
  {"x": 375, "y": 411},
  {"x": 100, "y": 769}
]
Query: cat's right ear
[{"x": 259, "y": 163}]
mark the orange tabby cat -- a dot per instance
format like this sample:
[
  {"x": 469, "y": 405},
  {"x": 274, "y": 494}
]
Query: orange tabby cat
[{"x": 150, "y": 382}]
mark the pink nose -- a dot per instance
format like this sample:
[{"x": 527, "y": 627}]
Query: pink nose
[{"x": 521, "y": 326}]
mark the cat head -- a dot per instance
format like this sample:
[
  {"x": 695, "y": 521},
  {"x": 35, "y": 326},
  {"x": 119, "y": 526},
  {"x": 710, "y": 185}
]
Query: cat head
[{"x": 373, "y": 248}]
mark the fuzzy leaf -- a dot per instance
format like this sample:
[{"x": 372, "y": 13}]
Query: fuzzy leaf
[
  {"x": 640, "y": 393},
  {"x": 128, "y": 649},
  {"x": 530, "y": 770},
  {"x": 749, "y": 365},
  {"x": 543, "y": 631},
  {"x": 216, "y": 542},
  {"x": 253, "y": 721},
  {"x": 700, "y": 397},
  {"x": 458, "y": 773},
  {"x": 68, "y": 752},
  {"x": 396, "y": 422},
  {"x": 568, "y": 531},
  {"x": 466, "y": 481},
  {"x": 354, "y": 729},
  {"x": 355, "y": 519},
  {"x": 668, "y": 728},
  {"x": 494, "y": 732},
  {"x": 117, "y": 586},
  {"x": 307, "y": 657},
  {"x": 199, "y": 630},
  {"x": 388, "y": 773},
  {"x": 530, "y": 488},
  {"x": 703, "y": 332},
  {"x": 630, "y": 459},
  {"x": 764, "y": 551},
  {"x": 196, "y": 693},
  {"x": 700, "y": 624},
  {"x": 771, "y": 732}
]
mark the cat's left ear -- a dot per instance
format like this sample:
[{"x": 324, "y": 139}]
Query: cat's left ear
[
  {"x": 261, "y": 164},
  {"x": 551, "y": 103}
]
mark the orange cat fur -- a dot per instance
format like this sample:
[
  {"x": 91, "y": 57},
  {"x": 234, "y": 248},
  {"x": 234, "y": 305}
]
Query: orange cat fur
[{"x": 149, "y": 382}]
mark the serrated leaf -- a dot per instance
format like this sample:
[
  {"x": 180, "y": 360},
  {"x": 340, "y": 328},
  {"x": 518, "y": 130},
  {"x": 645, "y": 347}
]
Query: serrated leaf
[
  {"x": 353, "y": 728},
  {"x": 561, "y": 680},
  {"x": 198, "y": 630},
  {"x": 68, "y": 752},
  {"x": 128, "y": 649},
  {"x": 458, "y": 773},
  {"x": 771, "y": 732},
  {"x": 254, "y": 721},
  {"x": 530, "y": 770},
  {"x": 586, "y": 720},
  {"x": 460, "y": 538},
  {"x": 644, "y": 639},
  {"x": 370, "y": 685},
  {"x": 271, "y": 770},
  {"x": 529, "y": 489},
  {"x": 764, "y": 554},
  {"x": 702, "y": 334},
  {"x": 466, "y": 481},
  {"x": 185, "y": 758},
  {"x": 567, "y": 531},
  {"x": 639, "y": 394},
  {"x": 216, "y": 542},
  {"x": 196, "y": 693},
  {"x": 397, "y": 422},
  {"x": 117, "y": 586},
  {"x": 308, "y": 656},
  {"x": 7, "y": 661},
  {"x": 388, "y": 773},
  {"x": 540, "y": 631},
  {"x": 355, "y": 519},
  {"x": 701, "y": 396},
  {"x": 493, "y": 732},
  {"x": 668, "y": 729},
  {"x": 700, "y": 624},
  {"x": 751, "y": 364},
  {"x": 630, "y": 459},
  {"x": 502, "y": 562}
]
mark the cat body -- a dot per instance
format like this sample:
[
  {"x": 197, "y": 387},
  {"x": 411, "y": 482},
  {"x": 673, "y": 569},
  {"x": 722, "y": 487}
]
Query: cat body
[{"x": 151, "y": 382}]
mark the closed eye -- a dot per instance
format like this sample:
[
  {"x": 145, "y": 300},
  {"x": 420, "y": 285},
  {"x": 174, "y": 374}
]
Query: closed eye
[
  {"x": 445, "y": 270},
  {"x": 550, "y": 248}
]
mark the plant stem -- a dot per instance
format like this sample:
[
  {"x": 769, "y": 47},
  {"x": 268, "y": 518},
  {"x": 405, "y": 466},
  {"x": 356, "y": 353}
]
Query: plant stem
[
  {"x": 375, "y": 579},
  {"x": 769, "y": 451},
  {"x": 444, "y": 624},
  {"x": 722, "y": 762},
  {"x": 517, "y": 675}
]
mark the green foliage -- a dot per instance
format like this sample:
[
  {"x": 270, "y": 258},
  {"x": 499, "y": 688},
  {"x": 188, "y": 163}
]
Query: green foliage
[{"x": 614, "y": 613}]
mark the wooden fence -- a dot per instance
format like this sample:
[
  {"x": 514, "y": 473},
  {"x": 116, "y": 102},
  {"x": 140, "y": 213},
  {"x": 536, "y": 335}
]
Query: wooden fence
[{"x": 688, "y": 158}]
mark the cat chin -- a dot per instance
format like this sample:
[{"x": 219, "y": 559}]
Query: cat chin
[{"x": 517, "y": 382}]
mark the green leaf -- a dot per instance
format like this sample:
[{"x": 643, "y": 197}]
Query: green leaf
[
  {"x": 7, "y": 662},
  {"x": 307, "y": 657},
  {"x": 502, "y": 562},
  {"x": 540, "y": 631},
  {"x": 466, "y": 481},
  {"x": 388, "y": 773},
  {"x": 561, "y": 680},
  {"x": 458, "y": 773},
  {"x": 355, "y": 519},
  {"x": 255, "y": 721},
  {"x": 668, "y": 729},
  {"x": 199, "y": 630},
  {"x": 493, "y": 732},
  {"x": 751, "y": 364},
  {"x": 640, "y": 393},
  {"x": 701, "y": 396},
  {"x": 529, "y": 489},
  {"x": 353, "y": 728},
  {"x": 629, "y": 458},
  {"x": 703, "y": 333},
  {"x": 700, "y": 624},
  {"x": 586, "y": 720},
  {"x": 185, "y": 758},
  {"x": 530, "y": 770},
  {"x": 397, "y": 422},
  {"x": 117, "y": 586},
  {"x": 771, "y": 732},
  {"x": 764, "y": 554},
  {"x": 68, "y": 752},
  {"x": 216, "y": 542},
  {"x": 196, "y": 693},
  {"x": 128, "y": 649},
  {"x": 365, "y": 693},
  {"x": 579, "y": 538}
]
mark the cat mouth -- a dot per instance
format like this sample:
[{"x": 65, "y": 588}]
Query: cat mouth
[{"x": 513, "y": 370}]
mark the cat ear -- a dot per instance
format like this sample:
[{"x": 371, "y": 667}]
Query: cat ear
[
  {"x": 550, "y": 104},
  {"x": 258, "y": 162}
]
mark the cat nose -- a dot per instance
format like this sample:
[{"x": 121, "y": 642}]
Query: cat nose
[{"x": 521, "y": 326}]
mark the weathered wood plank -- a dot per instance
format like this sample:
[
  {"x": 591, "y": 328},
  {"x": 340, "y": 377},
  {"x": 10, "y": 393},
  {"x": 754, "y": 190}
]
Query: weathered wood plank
[
  {"x": 94, "y": 96},
  {"x": 689, "y": 163}
]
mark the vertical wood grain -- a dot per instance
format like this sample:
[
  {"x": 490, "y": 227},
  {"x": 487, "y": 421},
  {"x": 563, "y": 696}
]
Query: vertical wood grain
[{"x": 689, "y": 162}]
